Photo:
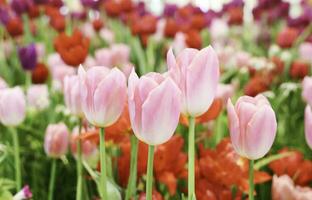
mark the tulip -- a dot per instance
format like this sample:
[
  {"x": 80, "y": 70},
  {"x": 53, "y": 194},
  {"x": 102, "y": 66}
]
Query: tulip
[
  {"x": 121, "y": 53},
  {"x": 103, "y": 97},
  {"x": 252, "y": 125},
  {"x": 308, "y": 125},
  {"x": 305, "y": 51},
  {"x": 28, "y": 56},
  {"x": 103, "y": 94},
  {"x": 103, "y": 57},
  {"x": 73, "y": 102},
  {"x": 154, "y": 108},
  {"x": 283, "y": 188},
  {"x": 38, "y": 96},
  {"x": 12, "y": 113},
  {"x": 307, "y": 89},
  {"x": 197, "y": 75},
  {"x": 72, "y": 94},
  {"x": 55, "y": 145},
  {"x": 56, "y": 140},
  {"x": 12, "y": 106}
]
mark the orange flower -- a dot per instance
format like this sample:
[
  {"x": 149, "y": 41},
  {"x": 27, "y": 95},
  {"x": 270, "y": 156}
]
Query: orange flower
[
  {"x": 15, "y": 27},
  {"x": 72, "y": 49},
  {"x": 299, "y": 69},
  {"x": 198, "y": 21},
  {"x": 97, "y": 24},
  {"x": 145, "y": 25},
  {"x": 287, "y": 37},
  {"x": 297, "y": 168},
  {"x": 257, "y": 85},
  {"x": 236, "y": 15},
  {"x": 40, "y": 73},
  {"x": 193, "y": 39},
  {"x": 221, "y": 169},
  {"x": 33, "y": 11},
  {"x": 171, "y": 28},
  {"x": 112, "y": 8}
]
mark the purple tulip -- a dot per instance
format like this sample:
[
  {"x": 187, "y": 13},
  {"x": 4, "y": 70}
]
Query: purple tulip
[
  {"x": 20, "y": 6},
  {"x": 170, "y": 10},
  {"x": 4, "y": 15},
  {"x": 28, "y": 56}
]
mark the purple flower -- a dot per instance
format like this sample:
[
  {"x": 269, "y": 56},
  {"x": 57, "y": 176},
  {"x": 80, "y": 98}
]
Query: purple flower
[
  {"x": 20, "y": 6},
  {"x": 28, "y": 56},
  {"x": 4, "y": 15},
  {"x": 25, "y": 193},
  {"x": 90, "y": 3},
  {"x": 232, "y": 4},
  {"x": 170, "y": 10}
]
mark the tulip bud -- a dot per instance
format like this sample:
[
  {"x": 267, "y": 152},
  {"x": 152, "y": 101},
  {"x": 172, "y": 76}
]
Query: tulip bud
[
  {"x": 196, "y": 74},
  {"x": 154, "y": 107},
  {"x": 12, "y": 106},
  {"x": 56, "y": 140},
  {"x": 308, "y": 125},
  {"x": 28, "y": 57},
  {"x": 72, "y": 94},
  {"x": 38, "y": 96},
  {"x": 252, "y": 125},
  {"x": 103, "y": 94}
]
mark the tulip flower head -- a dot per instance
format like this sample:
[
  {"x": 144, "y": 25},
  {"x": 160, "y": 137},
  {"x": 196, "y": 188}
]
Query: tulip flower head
[
  {"x": 103, "y": 94},
  {"x": 28, "y": 56},
  {"x": 196, "y": 74},
  {"x": 252, "y": 125},
  {"x": 56, "y": 140},
  {"x": 154, "y": 107},
  {"x": 72, "y": 94},
  {"x": 12, "y": 106},
  {"x": 308, "y": 125},
  {"x": 24, "y": 193}
]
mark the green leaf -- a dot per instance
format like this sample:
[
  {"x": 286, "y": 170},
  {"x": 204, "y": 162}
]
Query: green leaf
[{"x": 265, "y": 161}]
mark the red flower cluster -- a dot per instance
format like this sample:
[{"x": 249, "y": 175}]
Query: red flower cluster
[
  {"x": 287, "y": 37},
  {"x": 220, "y": 169},
  {"x": 297, "y": 168},
  {"x": 72, "y": 49}
]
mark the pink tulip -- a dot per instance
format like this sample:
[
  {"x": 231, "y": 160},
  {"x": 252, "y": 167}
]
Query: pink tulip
[
  {"x": 305, "y": 51},
  {"x": 24, "y": 193},
  {"x": 252, "y": 125},
  {"x": 56, "y": 140},
  {"x": 12, "y": 106},
  {"x": 72, "y": 94},
  {"x": 103, "y": 94},
  {"x": 40, "y": 49},
  {"x": 179, "y": 42},
  {"x": 308, "y": 125},
  {"x": 103, "y": 57},
  {"x": 154, "y": 107},
  {"x": 3, "y": 84},
  {"x": 197, "y": 75},
  {"x": 307, "y": 89},
  {"x": 120, "y": 53},
  {"x": 38, "y": 96},
  {"x": 283, "y": 188}
]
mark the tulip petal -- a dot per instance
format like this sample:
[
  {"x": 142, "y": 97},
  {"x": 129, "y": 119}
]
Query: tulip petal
[
  {"x": 202, "y": 81},
  {"x": 109, "y": 98},
  {"x": 234, "y": 127},
  {"x": 134, "y": 102},
  {"x": 184, "y": 59},
  {"x": 260, "y": 133},
  {"x": 308, "y": 125},
  {"x": 171, "y": 61},
  {"x": 160, "y": 113}
]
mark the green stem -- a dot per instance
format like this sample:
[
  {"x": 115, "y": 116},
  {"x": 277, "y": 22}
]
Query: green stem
[
  {"x": 28, "y": 80},
  {"x": 103, "y": 166},
  {"x": 52, "y": 179},
  {"x": 191, "y": 158},
  {"x": 79, "y": 165},
  {"x": 17, "y": 162},
  {"x": 131, "y": 188},
  {"x": 251, "y": 179},
  {"x": 149, "y": 180}
]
